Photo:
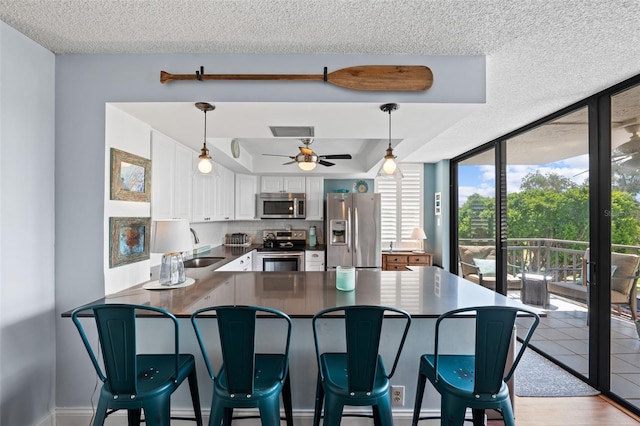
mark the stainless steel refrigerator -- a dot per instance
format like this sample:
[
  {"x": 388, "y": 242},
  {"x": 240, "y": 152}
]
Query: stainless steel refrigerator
[{"x": 353, "y": 230}]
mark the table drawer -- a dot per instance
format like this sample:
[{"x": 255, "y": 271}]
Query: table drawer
[
  {"x": 420, "y": 259},
  {"x": 397, "y": 258},
  {"x": 396, "y": 267}
]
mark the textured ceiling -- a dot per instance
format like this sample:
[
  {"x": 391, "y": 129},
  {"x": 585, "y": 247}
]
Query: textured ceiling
[{"x": 541, "y": 55}]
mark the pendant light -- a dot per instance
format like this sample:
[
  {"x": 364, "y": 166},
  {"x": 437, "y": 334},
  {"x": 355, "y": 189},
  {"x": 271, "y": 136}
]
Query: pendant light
[
  {"x": 205, "y": 165},
  {"x": 389, "y": 166}
]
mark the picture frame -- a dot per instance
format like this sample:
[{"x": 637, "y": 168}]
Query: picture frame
[
  {"x": 438, "y": 204},
  {"x": 129, "y": 240},
  {"x": 130, "y": 177}
]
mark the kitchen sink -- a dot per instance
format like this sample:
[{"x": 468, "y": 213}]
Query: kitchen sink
[{"x": 201, "y": 262}]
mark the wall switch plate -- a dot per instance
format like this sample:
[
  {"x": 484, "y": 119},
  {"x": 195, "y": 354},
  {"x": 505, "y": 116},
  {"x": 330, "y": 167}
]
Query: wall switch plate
[{"x": 397, "y": 396}]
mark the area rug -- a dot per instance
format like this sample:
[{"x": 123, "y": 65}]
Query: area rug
[{"x": 537, "y": 376}]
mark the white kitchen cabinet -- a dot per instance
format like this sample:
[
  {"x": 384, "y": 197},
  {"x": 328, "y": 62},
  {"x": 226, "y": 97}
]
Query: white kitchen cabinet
[
  {"x": 202, "y": 197},
  {"x": 213, "y": 196},
  {"x": 315, "y": 198},
  {"x": 293, "y": 184},
  {"x": 183, "y": 182},
  {"x": 223, "y": 194},
  {"x": 246, "y": 190},
  {"x": 241, "y": 264},
  {"x": 171, "y": 172},
  {"x": 314, "y": 260}
]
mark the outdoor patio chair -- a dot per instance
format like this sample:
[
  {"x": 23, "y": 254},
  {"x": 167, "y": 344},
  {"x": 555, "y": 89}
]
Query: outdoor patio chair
[
  {"x": 478, "y": 265},
  {"x": 624, "y": 276}
]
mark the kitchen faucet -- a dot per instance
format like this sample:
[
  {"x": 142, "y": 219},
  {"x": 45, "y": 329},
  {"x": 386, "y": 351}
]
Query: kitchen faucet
[{"x": 196, "y": 240}]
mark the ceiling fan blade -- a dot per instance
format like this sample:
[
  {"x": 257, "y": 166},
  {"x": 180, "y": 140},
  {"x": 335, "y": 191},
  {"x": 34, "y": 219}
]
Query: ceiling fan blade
[
  {"x": 289, "y": 162},
  {"x": 279, "y": 155},
  {"x": 326, "y": 163},
  {"x": 337, "y": 157}
]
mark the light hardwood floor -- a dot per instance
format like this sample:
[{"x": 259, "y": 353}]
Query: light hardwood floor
[{"x": 592, "y": 410}]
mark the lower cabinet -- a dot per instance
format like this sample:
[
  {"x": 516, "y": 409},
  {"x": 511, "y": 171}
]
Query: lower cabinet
[
  {"x": 241, "y": 264},
  {"x": 314, "y": 260},
  {"x": 398, "y": 261}
]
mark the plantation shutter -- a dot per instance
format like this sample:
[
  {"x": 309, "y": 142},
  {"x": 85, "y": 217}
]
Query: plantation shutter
[{"x": 401, "y": 206}]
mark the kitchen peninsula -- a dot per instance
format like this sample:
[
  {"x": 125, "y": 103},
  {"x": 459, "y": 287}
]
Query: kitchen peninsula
[{"x": 425, "y": 293}]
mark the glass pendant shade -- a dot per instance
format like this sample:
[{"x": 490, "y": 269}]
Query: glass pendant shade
[
  {"x": 205, "y": 165},
  {"x": 171, "y": 237}
]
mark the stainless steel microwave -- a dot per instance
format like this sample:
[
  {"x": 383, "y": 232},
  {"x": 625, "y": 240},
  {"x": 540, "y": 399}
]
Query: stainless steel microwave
[{"x": 281, "y": 205}]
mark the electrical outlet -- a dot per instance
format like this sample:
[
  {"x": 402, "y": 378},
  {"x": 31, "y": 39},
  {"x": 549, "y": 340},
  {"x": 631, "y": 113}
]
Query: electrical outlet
[{"x": 397, "y": 396}]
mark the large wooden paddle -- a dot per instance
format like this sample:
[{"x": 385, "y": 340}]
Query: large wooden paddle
[{"x": 364, "y": 77}]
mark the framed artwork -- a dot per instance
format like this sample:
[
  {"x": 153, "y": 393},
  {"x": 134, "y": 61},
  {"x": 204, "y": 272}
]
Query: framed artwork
[
  {"x": 130, "y": 177},
  {"x": 438, "y": 203},
  {"x": 129, "y": 239}
]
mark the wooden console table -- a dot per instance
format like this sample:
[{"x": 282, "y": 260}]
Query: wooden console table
[{"x": 399, "y": 260}]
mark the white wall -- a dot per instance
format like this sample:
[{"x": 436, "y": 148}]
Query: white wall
[
  {"x": 131, "y": 135},
  {"x": 27, "y": 332}
]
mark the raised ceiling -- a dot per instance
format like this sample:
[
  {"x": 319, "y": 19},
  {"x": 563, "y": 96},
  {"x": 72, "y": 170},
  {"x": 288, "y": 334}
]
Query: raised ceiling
[{"x": 541, "y": 56}]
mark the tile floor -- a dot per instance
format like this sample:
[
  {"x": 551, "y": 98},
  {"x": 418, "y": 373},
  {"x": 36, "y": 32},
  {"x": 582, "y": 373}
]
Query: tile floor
[{"x": 563, "y": 334}]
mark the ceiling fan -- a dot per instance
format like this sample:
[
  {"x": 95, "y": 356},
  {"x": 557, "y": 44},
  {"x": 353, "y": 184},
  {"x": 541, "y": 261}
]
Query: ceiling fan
[
  {"x": 627, "y": 155},
  {"x": 307, "y": 159}
]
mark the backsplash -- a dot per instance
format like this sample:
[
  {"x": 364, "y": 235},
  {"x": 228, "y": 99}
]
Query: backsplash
[{"x": 213, "y": 233}]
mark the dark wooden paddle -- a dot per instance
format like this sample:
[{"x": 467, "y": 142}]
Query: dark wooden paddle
[{"x": 363, "y": 77}]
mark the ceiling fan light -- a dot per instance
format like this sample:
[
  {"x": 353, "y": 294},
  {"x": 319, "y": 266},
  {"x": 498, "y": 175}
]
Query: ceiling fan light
[{"x": 307, "y": 166}]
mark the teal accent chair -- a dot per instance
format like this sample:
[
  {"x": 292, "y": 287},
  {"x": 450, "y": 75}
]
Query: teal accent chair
[
  {"x": 358, "y": 376},
  {"x": 475, "y": 381},
  {"x": 247, "y": 379},
  {"x": 131, "y": 381}
]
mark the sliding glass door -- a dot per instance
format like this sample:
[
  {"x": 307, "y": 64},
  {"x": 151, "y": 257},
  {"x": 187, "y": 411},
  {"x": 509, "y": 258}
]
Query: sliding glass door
[
  {"x": 547, "y": 180},
  {"x": 476, "y": 248},
  {"x": 625, "y": 244}
]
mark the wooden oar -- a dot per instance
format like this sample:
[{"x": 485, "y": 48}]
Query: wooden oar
[{"x": 364, "y": 77}]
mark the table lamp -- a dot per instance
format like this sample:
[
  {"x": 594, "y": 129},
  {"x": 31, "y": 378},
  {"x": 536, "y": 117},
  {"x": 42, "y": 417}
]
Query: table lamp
[
  {"x": 419, "y": 235},
  {"x": 171, "y": 237}
]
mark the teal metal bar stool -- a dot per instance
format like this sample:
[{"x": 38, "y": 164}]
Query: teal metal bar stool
[
  {"x": 358, "y": 376},
  {"x": 247, "y": 379},
  {"x": 476, "y": 380},
  {"x": 131, "y": 381}
]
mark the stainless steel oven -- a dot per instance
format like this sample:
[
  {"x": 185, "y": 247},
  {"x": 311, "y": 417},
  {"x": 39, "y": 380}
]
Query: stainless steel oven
[{"x": 280, "y": 261}]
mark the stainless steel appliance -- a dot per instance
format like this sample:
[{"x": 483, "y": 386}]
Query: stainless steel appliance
[
  {"x": 353, "y": 230},
  {"x": 281, "y": 205},
  {"x": 281, "y": 251}
]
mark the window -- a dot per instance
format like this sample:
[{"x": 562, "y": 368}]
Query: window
[{"x": 401, "y": 206}]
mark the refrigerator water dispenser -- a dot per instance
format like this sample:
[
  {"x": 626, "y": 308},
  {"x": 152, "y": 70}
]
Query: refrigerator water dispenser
[{"x": 337, "y": 231}]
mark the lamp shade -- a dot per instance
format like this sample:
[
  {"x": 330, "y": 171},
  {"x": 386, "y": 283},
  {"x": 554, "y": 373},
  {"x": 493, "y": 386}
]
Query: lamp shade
[
  {"x": 418, "y": 234},
  {"x": 170, "y": 236}
]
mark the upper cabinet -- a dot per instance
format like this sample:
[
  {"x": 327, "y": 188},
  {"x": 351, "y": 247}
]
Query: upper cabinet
[
  {"x": 295, "y": 184},
  {"x": 224, "y": 194},
  {"x": 213, "y": 196},
  {"x": 314, "y": 190},
  {"x": 246, "y": 190},
  {"x": 171, "y": 172}
]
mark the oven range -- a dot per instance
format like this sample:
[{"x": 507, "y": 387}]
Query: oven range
[{"x": 282, "y": 250}]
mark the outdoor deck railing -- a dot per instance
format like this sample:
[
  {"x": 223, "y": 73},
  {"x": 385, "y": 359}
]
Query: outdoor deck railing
[{"x": 546, "y": 255}]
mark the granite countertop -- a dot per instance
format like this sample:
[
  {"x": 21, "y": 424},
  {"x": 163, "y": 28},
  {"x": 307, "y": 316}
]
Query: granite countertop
[{"x": 426, "y": 292}]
